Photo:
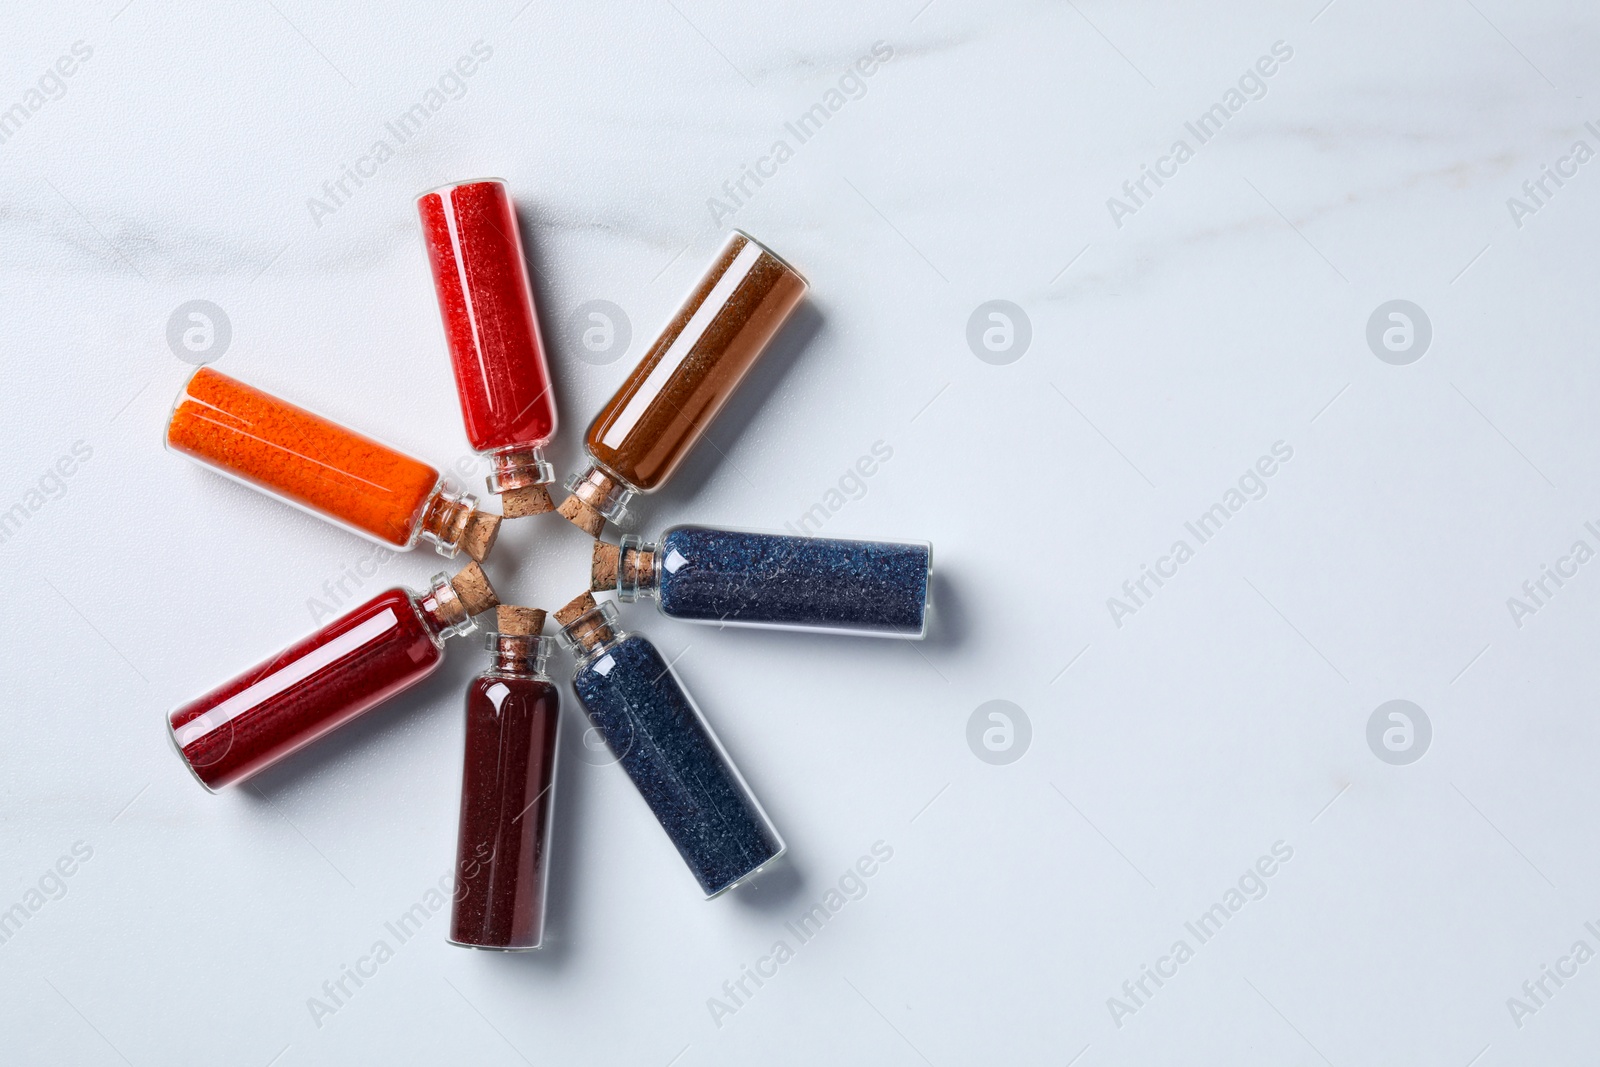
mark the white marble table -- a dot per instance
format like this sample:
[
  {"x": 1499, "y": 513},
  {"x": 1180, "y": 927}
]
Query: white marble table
[{"x": 1208, "y": 755}]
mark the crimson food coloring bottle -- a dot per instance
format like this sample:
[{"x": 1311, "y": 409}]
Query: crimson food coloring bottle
[
  {"x": 354, "y": 663},
  {"x": 507, "y": 788}
]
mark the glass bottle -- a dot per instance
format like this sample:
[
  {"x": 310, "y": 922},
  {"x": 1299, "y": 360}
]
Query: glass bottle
[
  {"x": 507, "y": 791},
  {"x": 481, "y": 279},
  {"x": 663, "y": 407},
  {"x": 650, "y": 724},
  {"x": 741, "y": 578},
  {"x": 354, "y": 663},
  {"x": 324, "y": 468}
]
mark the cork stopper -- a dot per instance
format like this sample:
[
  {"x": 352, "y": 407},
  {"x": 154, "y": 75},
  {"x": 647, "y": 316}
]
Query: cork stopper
[
  {"x": 473, "y": 587},
  {"x": 514, "y": 621},
  {"x": 586, "y": 625},
  {"x": 575, "y": 608},
  {"x": 528, "y": 500},
  {"x": 581, "y": 515},
  {"x": 597, "y": 495},
  {"x": 479, "y": 538},
  {"x": 603, "y": 569}
]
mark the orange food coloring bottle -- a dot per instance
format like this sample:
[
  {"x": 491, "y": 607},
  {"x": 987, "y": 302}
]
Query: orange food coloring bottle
[{"x": 324, "y": 468}]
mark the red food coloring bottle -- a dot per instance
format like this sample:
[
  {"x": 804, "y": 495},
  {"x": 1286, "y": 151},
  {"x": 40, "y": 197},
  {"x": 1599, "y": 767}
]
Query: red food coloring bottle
[
  {"x": 481, "y": 279},
  {"x": 354, "y": 663},
  {"x": 507, "y": 788}
]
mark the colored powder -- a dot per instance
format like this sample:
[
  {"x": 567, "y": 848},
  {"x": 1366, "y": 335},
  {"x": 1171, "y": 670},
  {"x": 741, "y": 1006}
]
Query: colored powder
[
  {"x": 676, "y": 763},
  {"x": 481, "y": 279},
  {"x": 312, "y": 687},
  {"x": 505, "y": 812},
  {"x": 694, "y": 366},
  {"x": 301, "y": 457},
  {"x": 779, "y": 580}
]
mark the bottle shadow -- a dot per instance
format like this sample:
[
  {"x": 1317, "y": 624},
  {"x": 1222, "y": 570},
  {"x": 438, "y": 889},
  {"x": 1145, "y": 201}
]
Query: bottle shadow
[
  {"x": 774, "y": 889},
  {"x": 724, "y": 433},
  {"x": 565, "y": 450},
  {"x": 947, "y": 617},
  {"x": 563, "y": 891},
  {"x": 722, "y": 437},
  {"x": 328, "y": 756},
  {"x": 539, "y": 265},
  {"x": 948, "y": 628}
]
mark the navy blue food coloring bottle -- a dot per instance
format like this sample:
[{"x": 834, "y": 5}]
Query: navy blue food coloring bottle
[
  {"x": 739, "y": 578},
  {"x": 667, "y": 749}
]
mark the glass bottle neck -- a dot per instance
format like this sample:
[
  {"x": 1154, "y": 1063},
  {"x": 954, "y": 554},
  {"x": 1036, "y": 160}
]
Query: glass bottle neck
[
  {"x": 603, "y": 491},
  {"x": 442, "y": 610},
  {"x": 591, "y": 633},
  {"x": 518, "y": 655},
  {"x": 638, "y": 569},
  {"x": 445, "y": 518},
  {"x": 519, "y": 468}
]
